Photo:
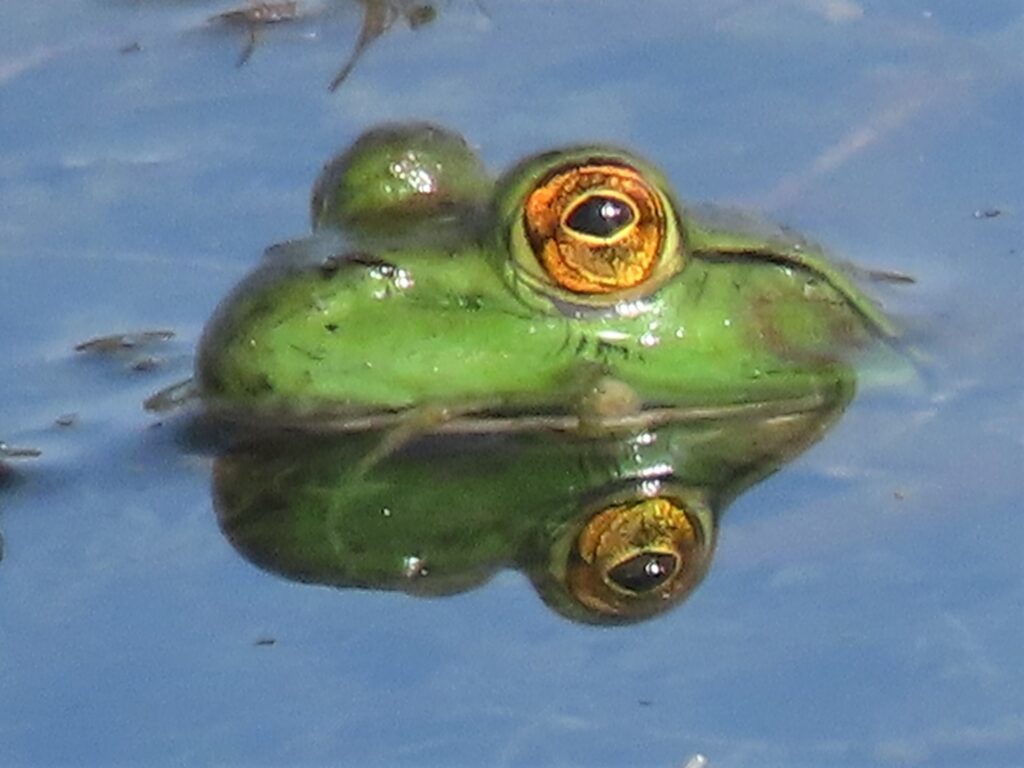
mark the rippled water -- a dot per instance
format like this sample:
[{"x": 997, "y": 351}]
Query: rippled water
[{"x": 864, "y": 606}]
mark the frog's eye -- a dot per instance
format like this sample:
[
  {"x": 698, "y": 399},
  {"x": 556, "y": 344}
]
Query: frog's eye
[
  {"x": 634, "y": 557},
  {"x": 596, "y": 228}
]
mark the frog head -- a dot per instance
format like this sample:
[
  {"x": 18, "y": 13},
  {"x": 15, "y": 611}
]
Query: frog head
[{"x": 426, "y": 283}]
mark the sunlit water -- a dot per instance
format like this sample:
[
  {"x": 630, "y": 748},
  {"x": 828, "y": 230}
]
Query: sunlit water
[{"x": 865, "y": 605}]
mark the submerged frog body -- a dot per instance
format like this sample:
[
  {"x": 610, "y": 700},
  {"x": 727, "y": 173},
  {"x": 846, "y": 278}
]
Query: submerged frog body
[{"x": 426, "y": 283}]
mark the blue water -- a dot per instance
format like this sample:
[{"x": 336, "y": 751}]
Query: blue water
[{"x": 864, "y": 607}]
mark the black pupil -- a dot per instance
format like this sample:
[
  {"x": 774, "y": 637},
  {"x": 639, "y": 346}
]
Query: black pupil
[
  {"x": 644, "y": 572},
  {"x": 600, "y": 216}
]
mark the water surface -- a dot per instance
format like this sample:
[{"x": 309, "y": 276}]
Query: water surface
[{"x": 865, "y": 605}]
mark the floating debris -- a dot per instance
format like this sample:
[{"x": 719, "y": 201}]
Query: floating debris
[
  {"x": 254, "y": 17},
  {"x": 119, "y": 342},
  {"x": 889, "y": 276},
  {"x": 149, "y": 363},
  {"x": 13, "y": 452},
  {"x": 130, "y": 48},
  {"x": 172, "y": 397},
  {"x": 878, "y": 275},
  {"x": 378, "y": 18},
  {"x": 259, "y": 14}
]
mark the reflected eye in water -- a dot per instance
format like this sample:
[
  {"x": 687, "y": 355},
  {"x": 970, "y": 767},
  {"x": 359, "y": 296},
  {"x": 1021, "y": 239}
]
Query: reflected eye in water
[
  {"x": 633, "y": 557},
  {"x": 596, "y": 228}
]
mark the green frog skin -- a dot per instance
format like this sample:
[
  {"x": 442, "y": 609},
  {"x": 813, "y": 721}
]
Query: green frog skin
[{"x": 426, "y": 283}]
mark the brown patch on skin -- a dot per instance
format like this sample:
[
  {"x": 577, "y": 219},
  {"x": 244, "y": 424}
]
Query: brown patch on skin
[
  {"x": 596, "y": 263},
  {"x": 841, "y": 331},
  {"x": 763, "y": 329}
]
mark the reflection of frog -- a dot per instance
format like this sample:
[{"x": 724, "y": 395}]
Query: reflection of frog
[
  {"x": 427, "y": 284},
  {"x": 609, "y": 529}
]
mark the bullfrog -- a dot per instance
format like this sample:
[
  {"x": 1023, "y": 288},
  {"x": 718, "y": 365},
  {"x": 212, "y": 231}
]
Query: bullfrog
[{"x": 428, "y": 284}]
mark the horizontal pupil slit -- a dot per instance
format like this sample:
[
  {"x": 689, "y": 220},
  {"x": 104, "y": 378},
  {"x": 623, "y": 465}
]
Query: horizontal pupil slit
[
  {"x": 644, "y": 571},
  {"x": 599, "y": 216}
]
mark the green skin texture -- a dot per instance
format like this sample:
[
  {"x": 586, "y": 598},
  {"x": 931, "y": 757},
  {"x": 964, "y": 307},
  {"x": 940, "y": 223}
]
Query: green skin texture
[
  {"x": 470, "y": 505},
  {"x": 446, "y": 307}
]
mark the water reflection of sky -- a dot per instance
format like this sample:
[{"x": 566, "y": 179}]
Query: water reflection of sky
[{"x": 864, "y": 607}]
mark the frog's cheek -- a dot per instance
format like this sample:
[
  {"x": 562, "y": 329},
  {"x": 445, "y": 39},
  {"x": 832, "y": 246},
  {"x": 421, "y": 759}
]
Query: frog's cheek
[
  {"x": 631, "y": 559},
  {"x": 826, "y": 330}
]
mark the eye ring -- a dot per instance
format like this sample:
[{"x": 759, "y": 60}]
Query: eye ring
[{"x": 625, "y": 215}]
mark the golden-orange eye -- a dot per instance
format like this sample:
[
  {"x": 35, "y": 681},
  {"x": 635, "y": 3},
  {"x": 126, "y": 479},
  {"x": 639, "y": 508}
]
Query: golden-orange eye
[
  {"x": 630, "y": 558},
  {"x": 596, "y": 228}
]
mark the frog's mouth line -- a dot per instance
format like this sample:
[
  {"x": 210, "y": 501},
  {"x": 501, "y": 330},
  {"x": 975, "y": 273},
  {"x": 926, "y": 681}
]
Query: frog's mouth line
[{"x": 469, "y": 422}]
